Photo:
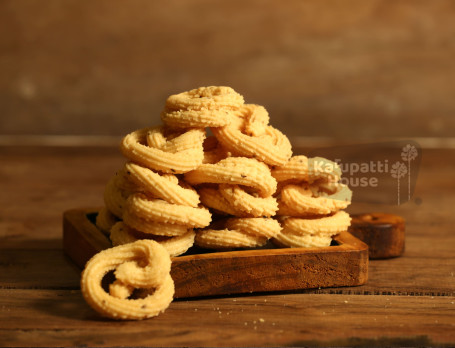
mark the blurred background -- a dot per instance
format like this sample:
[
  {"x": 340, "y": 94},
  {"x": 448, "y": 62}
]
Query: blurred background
[{"x": 339, "y": 69}]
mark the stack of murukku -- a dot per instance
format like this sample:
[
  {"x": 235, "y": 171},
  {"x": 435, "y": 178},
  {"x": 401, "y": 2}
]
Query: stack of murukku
[
  {"x": 176, "y": 180},
  {"x": 310, "y": 201},
  {"x": 147, "y": 199}
]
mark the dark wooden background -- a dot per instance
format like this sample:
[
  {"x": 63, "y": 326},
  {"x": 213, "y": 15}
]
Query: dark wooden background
[{"x": 346, "y": 69}]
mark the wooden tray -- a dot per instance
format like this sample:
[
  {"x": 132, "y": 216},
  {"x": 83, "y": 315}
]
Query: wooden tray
[{"x": 203, "y": 273}]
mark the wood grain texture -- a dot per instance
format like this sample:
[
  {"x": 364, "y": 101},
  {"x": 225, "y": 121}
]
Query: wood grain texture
[
  {"x": 340, "y": 68},
  {"x": 269, "y": 320}
]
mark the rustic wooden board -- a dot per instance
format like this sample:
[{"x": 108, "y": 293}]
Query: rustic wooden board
[
  {"x": 279, "y": 320},
  {"x": 220, "y": 273},
  {"x": 339, "y": 69}
]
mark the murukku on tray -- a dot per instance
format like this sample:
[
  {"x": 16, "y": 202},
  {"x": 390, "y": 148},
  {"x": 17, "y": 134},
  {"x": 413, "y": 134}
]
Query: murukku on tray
[
  {"x": 158, "y": 204},
  {"x": 134, "y": 146},
  {"x": 250, "y": 136},
  {"x": 310, "y": 198},
  {"x": 121, "y": 233},
  {"x": 238, "y": 233},
  {"x": 311, "y": 232}
]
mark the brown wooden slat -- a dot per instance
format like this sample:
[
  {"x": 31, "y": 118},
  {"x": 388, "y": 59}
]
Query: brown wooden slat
[
  {"x": 38, "y": 268},
  {"x": 365, "y": 69},
  {"x": 65, "y": 319}
]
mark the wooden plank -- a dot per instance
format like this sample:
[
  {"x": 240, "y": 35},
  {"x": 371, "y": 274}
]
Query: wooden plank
[
  {"x": 34, "y": 269},
  {"x": 61, "y": 317},
  {"x": 38, "y": 184},
  {"x": 216, "y": 273},
  {"x": 364, "y": 69}
]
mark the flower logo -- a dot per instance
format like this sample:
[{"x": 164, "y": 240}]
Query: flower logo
[
  {"x": 409, "y": 153},
  {"x": 398, "y": 171}
]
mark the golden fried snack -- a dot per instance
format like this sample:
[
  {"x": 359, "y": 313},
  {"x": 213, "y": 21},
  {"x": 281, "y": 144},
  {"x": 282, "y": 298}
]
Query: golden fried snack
[
  {"x": 331, "y": 225},
  {"x": 256, "y": 118},
  {"x": 235, "y": 170},
  {"x": 248, "y": 204},
  {"x": 152, "y": 227},
  {"x": 300, "y": 168},
  {"x": 212, "y": 198},
  {"x": 162, "y": 186},
  {"x": 105, "y": 220},
  {"x": 115, "y": 197},
  {"x": 304, "y": 200},
  {"x": 200, "y": 118},
  {"x": 261, "y": 227},
  {"x": 174, "y": 141},
  {"x": 161, "y": 211},
  {"x": 175, "y": 246},
  {"x": 178, "y": 245},
  {"x": 208, "y": 98},
  {"x": 238, "y": 233},
  {"x": 311, "y": 232},
  {"x": 288, "y": 240},
  {"x": 142, "y": 264},
  {"x": 227, "y": 239},
  {"x": 120, "y": 234},
  {"x": 124, "y": 182},
  {"x": 233, "y": 200},
  {"x": 119, "y": 290},
  {"x": 134, "y": 147},
  {"x": 213, "y": 151},
  {"x": 270, "y": 145}
]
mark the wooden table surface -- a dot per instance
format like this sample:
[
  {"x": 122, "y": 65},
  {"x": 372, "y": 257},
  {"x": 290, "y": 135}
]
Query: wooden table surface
[{"x": 407, "y": 301}]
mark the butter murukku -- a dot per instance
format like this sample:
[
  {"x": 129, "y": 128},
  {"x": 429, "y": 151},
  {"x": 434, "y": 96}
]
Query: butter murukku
[
  {"x": 115, "y": 197},
  {"x": 301, "y": 168},
  {"x": 270, "y": 146},
  {"x": 148, "y": 226},
  {"x": 200, "y": 118},
  {"x": 173, "y": 141},
  {"x": 164, "y": 212},
  {"x": 235, "y": 170},
  {"x": 311, "y": 232},
  {"x": 105, "y": 220},
  {"x": 212, "y": 198},
  {"x": 163, "y": 187},
  {"x": 177, "y": 245},
  {"x": 134, "y": 147},
  {"x": 213, "y": 97},
  {"x": 142, "y": 264},
  {"x": 303, "y": 200},
  {"x": 238, "y": 233},
  {"x": 213, "y": 151},
  {"x": 248, "y": 204}
]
